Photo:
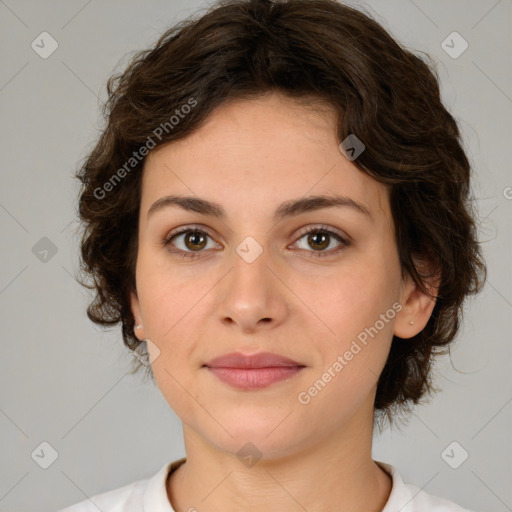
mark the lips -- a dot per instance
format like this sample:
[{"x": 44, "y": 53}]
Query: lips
[
  {"x": 253, "y": 371},
  {"x": 261, "y": 360}
]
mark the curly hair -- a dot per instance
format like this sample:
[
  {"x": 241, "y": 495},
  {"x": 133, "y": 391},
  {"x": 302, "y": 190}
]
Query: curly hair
[{"x": 306, "y": 49}]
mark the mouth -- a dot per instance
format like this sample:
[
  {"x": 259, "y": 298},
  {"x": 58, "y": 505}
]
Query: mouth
[{"x": 251, "y": 372}]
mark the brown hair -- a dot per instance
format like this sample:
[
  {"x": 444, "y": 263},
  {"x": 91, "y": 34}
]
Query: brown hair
[{"x": 318, "y": 49}]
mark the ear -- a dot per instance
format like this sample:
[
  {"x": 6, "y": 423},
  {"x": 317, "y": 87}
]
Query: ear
[
  {"x": 417, "y": 306},
  {"x": 135, "y": 307}
]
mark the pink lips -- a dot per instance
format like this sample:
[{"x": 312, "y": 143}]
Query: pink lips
[{"x": 254, "y": 371}]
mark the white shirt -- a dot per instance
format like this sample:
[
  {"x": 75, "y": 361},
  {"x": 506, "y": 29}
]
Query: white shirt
[{"x": 150, "y": 495}]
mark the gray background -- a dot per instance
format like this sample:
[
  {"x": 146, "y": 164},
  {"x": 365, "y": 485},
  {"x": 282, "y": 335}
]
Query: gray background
[{"x": 63, "y": 381}]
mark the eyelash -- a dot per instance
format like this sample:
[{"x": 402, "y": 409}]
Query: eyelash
[{"x": 315, "y": 229}]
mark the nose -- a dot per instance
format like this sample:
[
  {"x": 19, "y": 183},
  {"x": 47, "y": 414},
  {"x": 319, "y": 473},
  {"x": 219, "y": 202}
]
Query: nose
[{"x": 252, "y": 297}]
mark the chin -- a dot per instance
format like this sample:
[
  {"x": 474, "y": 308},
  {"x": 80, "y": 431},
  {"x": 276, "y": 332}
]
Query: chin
[{"x": 266, "y": 436}]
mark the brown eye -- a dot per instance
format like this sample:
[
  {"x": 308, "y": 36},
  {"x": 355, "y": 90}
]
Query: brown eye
[
  {"x": 195, "y": 240},
  {"x": 188, "y": 242},
  {"x": 318, "y": 240}
]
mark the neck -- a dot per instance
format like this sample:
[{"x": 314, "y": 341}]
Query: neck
[{"x": 336, "y": 473}]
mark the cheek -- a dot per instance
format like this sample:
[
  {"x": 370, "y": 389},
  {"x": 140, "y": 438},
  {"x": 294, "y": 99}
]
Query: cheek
[
  {"x": 173, "y": 302},
  {"x": 357, "y": 306},
  {"x": 178, "y": 390},
  {"x": 351, "y": 299},
  {"x": 169, "y": 297}
]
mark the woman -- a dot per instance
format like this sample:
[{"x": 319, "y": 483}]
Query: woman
[{"x": 278, "y": 209}]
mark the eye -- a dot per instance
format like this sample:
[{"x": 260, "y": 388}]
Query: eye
[
  {"x": 320, "y": 238},
  {"x": 190, "y": 242}
]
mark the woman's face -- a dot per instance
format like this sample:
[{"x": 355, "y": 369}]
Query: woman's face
[{"x": 253, "y": 280}]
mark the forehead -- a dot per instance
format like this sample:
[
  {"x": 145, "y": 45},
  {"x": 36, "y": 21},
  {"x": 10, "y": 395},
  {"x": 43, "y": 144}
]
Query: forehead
[{"x": 250, "y": 155}]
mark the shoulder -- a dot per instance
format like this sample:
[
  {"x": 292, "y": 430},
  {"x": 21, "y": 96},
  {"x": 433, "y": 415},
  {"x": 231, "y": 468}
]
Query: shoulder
[
  {"x": 126, "y": 498},
  {"x": 129, "y": 498},
  {"x": 406, "y": 497}
]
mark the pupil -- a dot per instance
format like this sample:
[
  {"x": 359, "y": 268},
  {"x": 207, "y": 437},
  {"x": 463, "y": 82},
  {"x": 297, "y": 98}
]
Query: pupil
[
  {"x": 313, "y": 238},
  {"x": 195, "y": 239}
]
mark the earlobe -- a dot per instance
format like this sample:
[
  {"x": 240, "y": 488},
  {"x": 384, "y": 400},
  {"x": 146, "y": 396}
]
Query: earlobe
[
  {"x": 417, "y": 307},
  {"x": 135, "y": 307}
]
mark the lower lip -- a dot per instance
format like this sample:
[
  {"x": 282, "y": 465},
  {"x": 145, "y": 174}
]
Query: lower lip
[{"x": 255, "y": 378}]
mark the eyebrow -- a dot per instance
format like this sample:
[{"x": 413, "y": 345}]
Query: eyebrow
[{"x": 287, "y": 209}]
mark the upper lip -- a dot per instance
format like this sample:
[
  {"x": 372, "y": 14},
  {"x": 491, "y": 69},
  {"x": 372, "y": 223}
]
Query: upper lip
[{"x": 260, "y": 360}]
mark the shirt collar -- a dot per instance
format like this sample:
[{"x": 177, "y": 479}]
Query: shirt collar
[
  {"x": 155, "y": 496},
  {"x": 400, "y": 496}
]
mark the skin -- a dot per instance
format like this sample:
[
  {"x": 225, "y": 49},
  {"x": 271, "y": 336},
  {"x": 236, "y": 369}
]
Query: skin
[{"x": 249, "y": 157}]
